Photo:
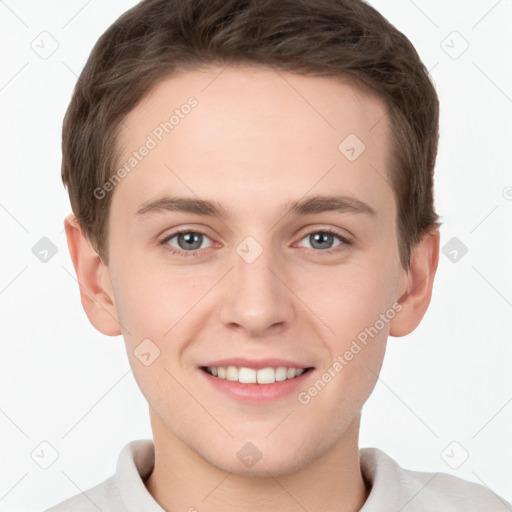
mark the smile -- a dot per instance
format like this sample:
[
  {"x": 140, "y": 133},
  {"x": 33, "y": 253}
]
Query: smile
[{"x": 246, "y": 375}]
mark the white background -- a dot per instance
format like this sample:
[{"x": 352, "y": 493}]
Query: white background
[{"x": 63, "y": 382}]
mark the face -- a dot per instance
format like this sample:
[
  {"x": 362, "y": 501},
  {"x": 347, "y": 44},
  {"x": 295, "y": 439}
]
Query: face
[{"x": 258, "y": 279}]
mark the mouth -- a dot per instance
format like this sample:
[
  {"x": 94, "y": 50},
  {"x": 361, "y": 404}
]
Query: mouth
[{"x": 263, "y": 376}]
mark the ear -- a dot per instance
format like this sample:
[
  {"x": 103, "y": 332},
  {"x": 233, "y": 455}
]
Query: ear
[
  {"x": 418, "y": 282},
  {"x": 94, "y": 280}
]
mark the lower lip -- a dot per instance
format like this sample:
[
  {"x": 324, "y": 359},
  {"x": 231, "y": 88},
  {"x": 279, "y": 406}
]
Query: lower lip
[{"x": 257, "y": 393}]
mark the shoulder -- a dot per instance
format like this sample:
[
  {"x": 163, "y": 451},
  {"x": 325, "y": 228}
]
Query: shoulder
[
  {"x": 125, "y": 489},
  {"x": 418, "y": 491},
  {"x": 104, "y": 497}
]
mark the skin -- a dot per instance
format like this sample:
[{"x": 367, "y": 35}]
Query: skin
[{"x": 253, "y": 143}]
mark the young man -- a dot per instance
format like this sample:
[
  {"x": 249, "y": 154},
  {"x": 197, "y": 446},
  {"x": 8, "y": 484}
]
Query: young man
[{"x": 252, "y": 188}]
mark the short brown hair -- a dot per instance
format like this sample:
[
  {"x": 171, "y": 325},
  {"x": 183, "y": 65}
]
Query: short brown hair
[{"x": 158, "y": 38}]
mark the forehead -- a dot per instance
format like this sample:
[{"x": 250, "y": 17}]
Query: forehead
[{"x": 255, "y": 136}]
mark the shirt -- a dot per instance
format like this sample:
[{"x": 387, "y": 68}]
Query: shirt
[{"x": 393, "y": 489}]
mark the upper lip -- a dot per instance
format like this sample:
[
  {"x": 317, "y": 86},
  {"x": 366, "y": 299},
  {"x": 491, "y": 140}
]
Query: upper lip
[{"x": 256, "y": 363}]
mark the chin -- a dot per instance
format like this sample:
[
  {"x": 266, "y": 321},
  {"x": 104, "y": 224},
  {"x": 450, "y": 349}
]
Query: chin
[
  {"x": 265, "y": 467},
  {"x": 264, "y": 458}
]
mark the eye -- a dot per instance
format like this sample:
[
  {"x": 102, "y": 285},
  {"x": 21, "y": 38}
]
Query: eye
[
  {"x": 189, "y": 242},
  {"x": 322, "y": 240}
]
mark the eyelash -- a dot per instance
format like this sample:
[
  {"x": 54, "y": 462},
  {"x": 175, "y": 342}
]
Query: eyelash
[{"x": 196, "y": 252}]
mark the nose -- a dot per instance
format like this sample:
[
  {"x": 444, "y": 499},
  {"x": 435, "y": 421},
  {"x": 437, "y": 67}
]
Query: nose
[{"x": 256, "y": 297}]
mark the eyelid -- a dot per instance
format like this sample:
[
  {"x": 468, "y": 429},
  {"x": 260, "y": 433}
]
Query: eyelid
[{"x": 315, "y": 228}]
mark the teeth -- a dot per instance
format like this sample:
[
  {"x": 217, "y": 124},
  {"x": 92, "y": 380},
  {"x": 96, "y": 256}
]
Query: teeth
[
  {"x": 245, "y": 375},
  {"x": 253, "y": 376},
  {"x": 290, "y": 373},
  {"x": 281, "y": 373},
  {"x": 231, "y": 373}
]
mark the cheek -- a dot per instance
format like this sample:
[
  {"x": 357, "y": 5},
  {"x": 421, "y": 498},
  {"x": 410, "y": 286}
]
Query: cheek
[
  {"x": 152, "y": 312},
  {"x": 355, "y": 307},
  {"x": 348, "y": 299},
  {"x": 157, "y": 302},
  {"x": 163, "y": 303}
]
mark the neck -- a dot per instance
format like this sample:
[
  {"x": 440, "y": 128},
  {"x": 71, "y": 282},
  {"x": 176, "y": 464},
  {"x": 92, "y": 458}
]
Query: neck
[{"x": 183, "y": 480}]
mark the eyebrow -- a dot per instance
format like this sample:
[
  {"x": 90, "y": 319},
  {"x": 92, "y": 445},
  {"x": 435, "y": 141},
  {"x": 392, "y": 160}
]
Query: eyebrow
[{"x": 309, "y": 205}]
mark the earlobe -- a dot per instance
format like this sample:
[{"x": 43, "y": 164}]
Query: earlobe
[
  {"x": 419, "y": 281},
  {"x": 92, "y": 274}
]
